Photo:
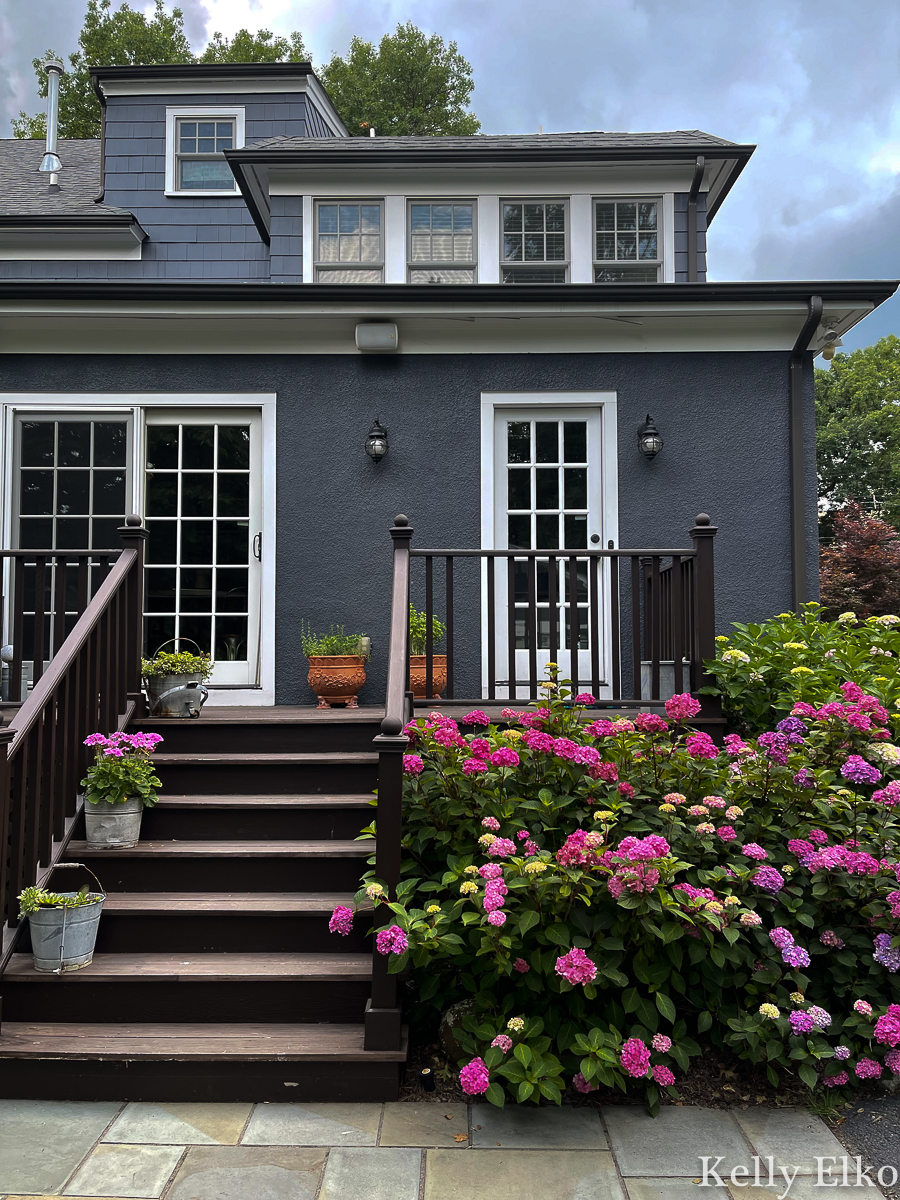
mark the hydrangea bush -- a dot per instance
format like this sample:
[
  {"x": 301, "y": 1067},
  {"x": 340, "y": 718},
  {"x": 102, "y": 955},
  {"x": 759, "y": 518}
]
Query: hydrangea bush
[
  {"x": 604, "y": 891},
  {"x": 763, "y": 670}
]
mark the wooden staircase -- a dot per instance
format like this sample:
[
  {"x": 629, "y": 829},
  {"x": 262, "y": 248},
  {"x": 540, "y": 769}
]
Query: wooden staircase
[{"x": 215, "y": 976}]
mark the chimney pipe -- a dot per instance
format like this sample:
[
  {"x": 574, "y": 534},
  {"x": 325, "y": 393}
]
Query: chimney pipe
[{"x": 50, "y": 162}]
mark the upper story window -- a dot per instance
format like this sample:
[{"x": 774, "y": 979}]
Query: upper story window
[
  {"x": 442, "y": 242},
  {"x": 196, "y": 141},
  {"x": 349, "y": 245},
  {"x": 533, "y": 242},
  {"x": 627, "y": 241}
]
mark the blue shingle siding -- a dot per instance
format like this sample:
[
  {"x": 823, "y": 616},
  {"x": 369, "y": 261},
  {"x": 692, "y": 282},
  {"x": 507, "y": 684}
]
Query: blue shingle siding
[
  {"x": 316, "y": 124},
  {"x": 681, "y": 237},
  {"x": 287, "y": 239}
]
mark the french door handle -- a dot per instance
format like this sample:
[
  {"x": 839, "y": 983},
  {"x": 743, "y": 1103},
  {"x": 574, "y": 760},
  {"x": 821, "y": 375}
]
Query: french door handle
[{"x": 257, "y": 547}]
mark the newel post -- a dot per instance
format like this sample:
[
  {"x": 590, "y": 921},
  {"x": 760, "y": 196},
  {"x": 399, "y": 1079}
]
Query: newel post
[
  {"x": 704, "y": 646},
  {"x": 134, "y": 537}
]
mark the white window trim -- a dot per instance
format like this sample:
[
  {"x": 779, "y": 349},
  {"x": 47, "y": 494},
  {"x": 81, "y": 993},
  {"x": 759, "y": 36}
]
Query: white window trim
[
  {"x": 565, "y": 263},
  {"x": 381, "y": 265},
  {"x": 662, "y": 240},
  {"x": 201, "y": 112},
  {"x": 607, "y": 402},
  {"x": 13, "y": 404}
]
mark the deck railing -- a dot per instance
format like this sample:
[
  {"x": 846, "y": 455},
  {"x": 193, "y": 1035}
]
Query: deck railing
[
  {"x": 92, "y": 682},
  {"x": 635, "y": 612}
]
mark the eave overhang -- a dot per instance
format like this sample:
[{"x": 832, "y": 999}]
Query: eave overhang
[{"x": 93, "y": 233}]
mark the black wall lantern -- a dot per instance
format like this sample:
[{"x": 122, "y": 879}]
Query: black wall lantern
[
  {"x": 377, "y": 442},
  {"x": 649, "y": 438}
]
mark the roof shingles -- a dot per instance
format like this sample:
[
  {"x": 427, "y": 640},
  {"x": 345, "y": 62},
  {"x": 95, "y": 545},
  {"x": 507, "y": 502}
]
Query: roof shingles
[
  {"x": 678, "y": 140},
  {"x": 24, "y": 190}
]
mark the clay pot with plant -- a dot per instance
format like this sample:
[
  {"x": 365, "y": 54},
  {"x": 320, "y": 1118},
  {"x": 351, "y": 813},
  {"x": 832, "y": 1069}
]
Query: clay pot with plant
[
  {"x": 337, "y": 664},
  {"x": 418, "y": 659}
]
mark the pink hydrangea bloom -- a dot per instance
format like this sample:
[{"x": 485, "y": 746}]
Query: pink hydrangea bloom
[
  {"x": 682, "y": 707},
  {"x": 851, "y": 692},
  {"x": 868, "y": 1068},
  {"x": 781, "y": 937},
  {"x": 497, "y": 917},
  {"x": 534, "y": 739},
  {"x": 531, "y": 847},
  {"x": 491, "y": 871},
  {"x": 863, "y": 1007},
  {"x": 768, "y": 879},
  {"x": 586, "y": 756},
  {"x": 391, "y": 941},
  {"x": 490, "y": 823},
  {"x": 582, "y": 1085},
  {"x": 503, "y": 1042},
  {"x": 413, "y": 764},
  {"x": 585, "y": 698},
  {"x": 480, "y": 747},
  {"x": 474, "y": 766},
  {"x": 626, "y": 790},
  {"x": 501, "y": 848},
  {"x": 341, "y": 920},
  {"x": 564, "y": 748},
  {"x": 887, "y": 1027},
  {"x": 701, "y": 745},
  {"x": 674, "y": 798},
  {"x": 475, "y": 717},
  {"x": 643, "y": 849},
  {"x": 754, "y": 850},
  {"x": 651, "y": 723},
  {"x": 726, "y": 833},
  {"x": 715, "y": 802},
  {"x": 637, "y": 879},
  {"x": 475, "y": 1078},
  {"x": 504, "y": 757},
  {"x": 892, "y": 1061},
  {"x": 635, "y": 1057},
  {"x": 663, "y": 1076},
  {"x": 836, "y": 1080},
  {"x": 576, "y": 967},
  {"x": 599, "y": 729},
  {"x": 521, "y": 966},
  {"x": 661, "y": 1043}
]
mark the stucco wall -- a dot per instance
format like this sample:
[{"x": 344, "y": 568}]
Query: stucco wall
[{"x": 724, "y": 418}]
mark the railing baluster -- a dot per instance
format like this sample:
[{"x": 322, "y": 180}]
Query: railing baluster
[
  {"x": 448, "y": 609},
  {"x": 655, "y": 619},
  {"x": 678, "y": 622},
  {"x": 511, "y": 626},
  {"x": 18, "y": 629},
  {"x": 552, "y": 587},
  {"x": 58, "y": 635},
  {"x": 492, "y": 628},
  {"x": 594, "y": 634},
  {"x": 636, "y": 634},
  {"x": 40, "y": 584},
  {"x": 573, "y": 623},
  {"x": 532, "y": 629},
  {"x": 614, "y": 624},
  {"x": 429, "y": 629}
]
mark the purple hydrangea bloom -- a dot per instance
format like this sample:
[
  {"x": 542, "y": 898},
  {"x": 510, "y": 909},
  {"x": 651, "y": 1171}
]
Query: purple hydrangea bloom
[
  {"x": 885, "y": 954},
  {"x": 775, "y": 746},
  {"x": 805, "y": 778},
  {"x": 781, "y": 938},
  {"x": 801, "y": 1022},
  {"x": 793, "y": 729},
  {"x": 768, "y": 879},
  {"x": 795, "y": 956},
  {"x": 857, "y": 770}
]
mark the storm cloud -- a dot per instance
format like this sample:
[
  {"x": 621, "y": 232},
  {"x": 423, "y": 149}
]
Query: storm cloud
[{"x": 814, "y": 83}]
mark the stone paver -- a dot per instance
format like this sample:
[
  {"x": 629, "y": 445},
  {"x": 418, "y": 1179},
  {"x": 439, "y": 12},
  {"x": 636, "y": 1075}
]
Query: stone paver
[
  {"x": 43, "y": 1141},
  {"x": 801, "y": 1189},
  {"x": 388, "y": 1174},
  {"x": 672, "y": 1189},
  {"x": 518, "y": 1126},
  {"x": 313, "y": 1125},
  {"x": 518, "y": 1174},
  {"x": 424, "y": 1125},
  {"x": 132, "y": 1171},
  {"x": 792, "y": 1137},
  {"x": 180, "y": 1124},
  {"x": 672, "y": 1143},
  {"x": 248, "y": 1173}
]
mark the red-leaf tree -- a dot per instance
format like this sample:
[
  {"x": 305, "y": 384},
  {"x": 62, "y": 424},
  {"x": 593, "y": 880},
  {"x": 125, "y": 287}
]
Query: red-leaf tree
[{"x": 860, "y": 572}]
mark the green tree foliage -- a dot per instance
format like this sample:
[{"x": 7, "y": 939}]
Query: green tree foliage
[
  {"x": 858, "y": 424},
  {"x": 261, "y": 47},
  {"x": 107, "y": 39},
  {"x": 410, "y": 85}
]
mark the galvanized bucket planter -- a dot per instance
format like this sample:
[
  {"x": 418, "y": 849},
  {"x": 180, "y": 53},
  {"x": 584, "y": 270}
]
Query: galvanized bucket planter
[
  {"x": 113, "y": 824},
  {"x": 63, "y": 939},
  {"x": 175, "y": 695}
]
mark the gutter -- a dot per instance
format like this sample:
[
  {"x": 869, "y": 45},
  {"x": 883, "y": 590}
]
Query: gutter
[
  {"x": 699, "y": 171},
  {"x": 798, "y": 464}
]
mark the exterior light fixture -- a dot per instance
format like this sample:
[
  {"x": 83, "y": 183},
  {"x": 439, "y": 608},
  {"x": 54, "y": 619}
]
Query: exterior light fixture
[
  {"x": 377, "y": 441},
  {"x": 832, "y": 342},
  {"x": 649, "y": 438}
]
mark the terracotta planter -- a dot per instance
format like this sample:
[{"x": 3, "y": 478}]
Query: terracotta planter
[
  {"x": 337, "y": 678},
  {"x": 417, "y": 675}
]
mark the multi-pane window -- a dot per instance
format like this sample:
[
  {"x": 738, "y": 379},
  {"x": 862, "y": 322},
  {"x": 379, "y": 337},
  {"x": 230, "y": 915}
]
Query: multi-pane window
[
  {"x": 349, "y": 244},
  {"x": 442, "y": 242},
  {"x": 627, "y": 241},
  {"x": 533, "y": 242},
  {"x": 198, "y": 553},
  {"x": 199, "y": 160}
]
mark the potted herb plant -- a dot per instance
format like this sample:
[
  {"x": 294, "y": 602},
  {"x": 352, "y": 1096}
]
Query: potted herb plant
[
  {"x": 174, "y": 681},
  {"x": 63, "y": 926},
  {"x": 418, "y": 674},
  {"x": 337, "y": 664},
  {"x": 119, "y": 785}
]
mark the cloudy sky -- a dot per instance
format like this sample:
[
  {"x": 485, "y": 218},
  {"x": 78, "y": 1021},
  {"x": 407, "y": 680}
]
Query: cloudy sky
[{"x": 815, "y": 83}]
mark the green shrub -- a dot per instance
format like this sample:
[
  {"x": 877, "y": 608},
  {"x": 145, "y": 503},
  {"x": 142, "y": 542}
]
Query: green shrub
[
  {"x": 418, "y": 631},
  {"x": 335, "y": 642},
  {"x": 763, "y": 670},
  {"x": 605, "y": 893}
]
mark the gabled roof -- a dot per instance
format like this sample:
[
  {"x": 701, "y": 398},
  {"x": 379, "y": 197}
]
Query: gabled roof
[
  {"x": 24, "y": 190},
  {"x": 492, "y": 143}
]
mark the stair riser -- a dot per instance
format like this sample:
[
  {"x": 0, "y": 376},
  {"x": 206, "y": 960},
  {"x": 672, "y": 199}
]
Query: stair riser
[
  {"x": 122, "y": 933},
  {"x": 231, "y": 1001},
  {"x": 200, "y": 1080},
  {"x": 262, "y": 779},
  {"x": 217, "y": 874},
  {"x": 209, "y": 737},
  {"x": 257, "y": 824}
]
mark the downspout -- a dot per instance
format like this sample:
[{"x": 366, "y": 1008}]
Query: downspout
[
  {"x": 699, "y": 168},
  {"x": 798, "y": 463},
  {"x": 98, "y": 92}
]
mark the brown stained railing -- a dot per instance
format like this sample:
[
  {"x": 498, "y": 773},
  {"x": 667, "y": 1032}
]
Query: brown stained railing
[{"x": 92, "y": 683}]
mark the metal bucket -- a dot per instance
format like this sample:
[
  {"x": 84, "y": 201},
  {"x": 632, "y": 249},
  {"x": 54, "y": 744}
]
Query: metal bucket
[
  {"x": 175, "y": 695},
  {"x": 63, "y": 939},
  {"x": 113, "y": 824}
]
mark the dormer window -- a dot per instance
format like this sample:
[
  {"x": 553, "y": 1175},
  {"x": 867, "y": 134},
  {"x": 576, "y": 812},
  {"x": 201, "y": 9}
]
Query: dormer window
[
  {"x": 627, "y": 241},
  {"x": 534, "y": 245},
  {"x": 196, "y": 141}
]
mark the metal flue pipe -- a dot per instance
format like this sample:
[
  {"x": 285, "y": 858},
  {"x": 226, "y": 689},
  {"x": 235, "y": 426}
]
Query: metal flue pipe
[{"x": 50, "y": 162}]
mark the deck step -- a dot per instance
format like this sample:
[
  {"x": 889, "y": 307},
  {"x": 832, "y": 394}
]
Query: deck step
[
  {"x": 275, "y": 760},
  {"x": 187, "y": 904},
  {"x": 315, "y": 800},
  {"x": 333, "y": 848},
  {"x": 311, "y": 1043},
  {"x": 208, "y": 968}
]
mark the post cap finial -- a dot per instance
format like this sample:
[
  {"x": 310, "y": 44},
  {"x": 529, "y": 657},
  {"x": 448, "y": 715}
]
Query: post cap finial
[
  {"x": 702, "y": 519},
  {"x": 134, "y": 521},
  {"x": 391, "y": 726},
  {"x": 401, "y": 520}
]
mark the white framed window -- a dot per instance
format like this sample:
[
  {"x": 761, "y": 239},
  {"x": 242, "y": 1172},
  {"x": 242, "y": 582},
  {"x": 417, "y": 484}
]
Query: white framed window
[
  {"x": 349, "y": 243},
  {"x": 628, "y": 239},
  {"x": 196, "y": 141},
  {"x": 534, "y": 243},
  {"x": 441, "y": 241}
]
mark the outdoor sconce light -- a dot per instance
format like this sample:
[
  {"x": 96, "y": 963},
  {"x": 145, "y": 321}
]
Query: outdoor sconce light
[
  {"x": 832, "y": 342},
  {"x": 377, "y": 442},
  {"x": 649, "y": 439}
]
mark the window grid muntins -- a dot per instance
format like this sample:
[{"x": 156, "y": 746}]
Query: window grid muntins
[
  {"x": 349, "y": 242},
  {"x": 198, "y": 515},
  {"x": 441, "y": 242},
  {"x": 199, "y": 160},
  {"x": 627, "y": 240},
  {"x": 547, "y": 508},
  {"x": 534, "y": 236}
]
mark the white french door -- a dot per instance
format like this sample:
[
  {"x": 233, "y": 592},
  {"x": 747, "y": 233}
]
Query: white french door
[
  {"x": 548, "y": 495},
  {"x": 203, "y": 508}
]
